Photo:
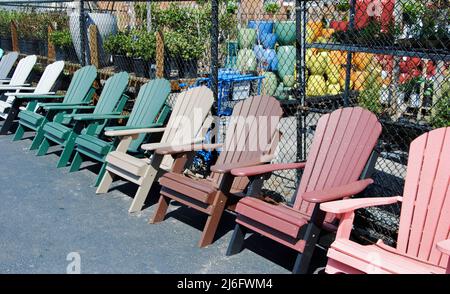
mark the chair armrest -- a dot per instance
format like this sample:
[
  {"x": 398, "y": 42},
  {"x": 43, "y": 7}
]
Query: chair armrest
[
  {"x": 349, "y": 205},
  {"x": 130, "y": 130},
  {"x": 28, "y": 94},
  {"x": 174, "y": 149},
  {"x": 22, "y": 88},
  {"x": 226, "y": 168},
  {"x": 13, "y": 87},
  {"x": 444, "y": 246},
  {"x": 63, "y": 106},
  {"x": 267, "y": 168},
  {"x": 38, "y": 96},
  {"x": 337, "y": 193},
  {"x": 93, "y": 117}
]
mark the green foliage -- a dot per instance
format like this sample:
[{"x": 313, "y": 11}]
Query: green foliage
[
  {"x": 272, "y": 7},
  {"x": 31, "y": 24},
  {"x": 5, "y": 22},
  {"x": 62, "y": 38},
  {"x": 143, "y": 44},
  {"x": 412, "y": 10},
  {"x": 369, "y": 98},
  {"x": 441, "y": 110},
  {"x": 343, "y": 6},
  {"x": 231, "y": 6},
  {"x": 135, "y": 43},
  {"x": 183, "y": 46}
]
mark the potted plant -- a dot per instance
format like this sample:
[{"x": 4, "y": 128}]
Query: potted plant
[
  {"x": 5, "y": 29},
  {"x": 29, "y": 31},
  {"x": 434, "y": 32},
  {"x": 144, "y": 51},
  {"x": 440, "y": 116},
  {"x": 231, "y": 6},
  {"x": 187, "y": 49},
  {"x": 120, "y": 47},
  {"x": 62, "y": 41},
  {"x": 272, "y": 8}
]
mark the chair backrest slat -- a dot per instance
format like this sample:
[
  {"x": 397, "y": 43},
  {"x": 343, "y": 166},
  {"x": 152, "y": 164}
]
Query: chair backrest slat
[
  {"x": 250, "y": 133},
  {"x": 80, "y": 85},
  {"x": 7, "y": 63},
  {"x": 187, "y": 118},
  {"x": 112, "y": 91},
  {"x": 148, "y": 104},
  {"x": 23, "y": 70},
  {"x": 342, "y": 144},
  {"x": 49, "y": 77},
  {"x": 425, "y": 215}
]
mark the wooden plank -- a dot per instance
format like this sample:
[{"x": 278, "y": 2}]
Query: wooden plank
[
  {"x": 159, "y": 55},
  {"x": 51, "y": 54},
  {"x": 425, "y": 185},
  {"x": 415, "y": 162},
  {"x": 437, "y": 219},
  {"x": 14, "y": 37},
  {"x": 93, "y": 45}
]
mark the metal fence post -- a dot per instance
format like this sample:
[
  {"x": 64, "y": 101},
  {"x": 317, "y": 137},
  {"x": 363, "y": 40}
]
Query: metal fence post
[
  {"x": 301, "y": 68},
  {"x": 348, "y": 66},
  {"x": 83, "y": 34},
  {"x": 215, "y": 47}
]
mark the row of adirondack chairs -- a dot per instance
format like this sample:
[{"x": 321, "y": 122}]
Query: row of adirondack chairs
[{"x": 333, "y": 172}]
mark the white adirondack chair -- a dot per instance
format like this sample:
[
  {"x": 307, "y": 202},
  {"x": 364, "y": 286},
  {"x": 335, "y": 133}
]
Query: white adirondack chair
[
  {"x": 48, "y": 79},
  {"x": 188, "y": 123},
  {"x": 20, "y": 75},
  {"x": 6, "y": 64}
]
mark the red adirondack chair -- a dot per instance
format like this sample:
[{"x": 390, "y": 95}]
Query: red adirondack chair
[
  {"x": 423, "y": 244},
  {"x": 251, "y": 139},
  {"x": 342, "y": 145}
]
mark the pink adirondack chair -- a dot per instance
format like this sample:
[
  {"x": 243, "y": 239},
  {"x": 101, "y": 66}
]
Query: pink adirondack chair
[
  {"x": 423, "y": 243},
  {"x": 342, "y": 145}
]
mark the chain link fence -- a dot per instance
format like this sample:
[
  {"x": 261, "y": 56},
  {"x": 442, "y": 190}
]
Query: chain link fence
[{"x": 389, "y": 56}]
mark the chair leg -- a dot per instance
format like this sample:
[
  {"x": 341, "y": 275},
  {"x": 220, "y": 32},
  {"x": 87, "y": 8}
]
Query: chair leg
[
  {"x": 213, "y": 220},
  {"x": 105, "y": 182},
  {"x": 19, "y": 133},
  {"x": 37, "y": 139},
  {"x": 76, "y": 162},
  {"x": 12, "y": 114},
  {"x": 144, "y": 189},
  {"x": 43, "y": 148},
  {"x": 100, "y": 175},
  {"x": 299, "y": 267},
  {"x": 67, "y": 151},
  {"x": 161, "y": 210},
  {"x": 311, "y": 237},
  {"x": 237, "y": 240}
]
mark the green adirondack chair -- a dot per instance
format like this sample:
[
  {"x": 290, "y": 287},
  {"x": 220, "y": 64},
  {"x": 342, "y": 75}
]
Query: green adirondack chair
[
  {"x": 149, "y": 110},
  {"x": 111, "y": 101},
  {"x": 77, "y": 98}
]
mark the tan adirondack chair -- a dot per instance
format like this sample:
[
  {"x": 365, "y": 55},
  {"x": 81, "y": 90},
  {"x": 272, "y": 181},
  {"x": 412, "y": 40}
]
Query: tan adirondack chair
[
  {"x": 251, "y": 139},
  {"x": 423, "y": 243},
  {"x": 188, "y": 123}
]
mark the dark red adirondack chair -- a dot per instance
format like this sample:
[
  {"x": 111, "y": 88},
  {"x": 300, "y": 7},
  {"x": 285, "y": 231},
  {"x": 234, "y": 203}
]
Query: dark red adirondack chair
[
  {"x": 423, "y": 243},
  {"x": 342, "y": 145},
  {"x": 250, "y": 139}
]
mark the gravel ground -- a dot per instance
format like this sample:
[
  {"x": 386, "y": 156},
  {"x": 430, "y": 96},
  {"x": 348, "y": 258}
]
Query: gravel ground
[{"x": 49, "y": 215}]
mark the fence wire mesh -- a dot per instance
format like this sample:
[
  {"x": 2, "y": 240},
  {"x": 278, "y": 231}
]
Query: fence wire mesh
[{"x": 389, "y": 56}]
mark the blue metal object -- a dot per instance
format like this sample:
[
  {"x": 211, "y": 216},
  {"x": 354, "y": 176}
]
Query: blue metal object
[{"x": 233, "y": 86}]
